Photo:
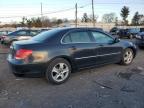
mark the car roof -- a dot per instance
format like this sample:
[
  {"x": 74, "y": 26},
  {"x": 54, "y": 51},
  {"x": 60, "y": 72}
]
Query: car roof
[{"x": 79, "y": 28}]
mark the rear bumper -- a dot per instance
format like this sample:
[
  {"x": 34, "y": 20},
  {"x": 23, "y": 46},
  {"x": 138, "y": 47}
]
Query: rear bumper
[{"x": 27, "y": 69}]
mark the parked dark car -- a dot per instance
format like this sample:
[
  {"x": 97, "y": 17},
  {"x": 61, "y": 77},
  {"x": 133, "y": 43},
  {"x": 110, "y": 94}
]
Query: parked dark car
[
  {"x": 132, "y": 32},
  {"x": 3, "y": 33},
  {"x": 128, "y": 33},
  {"x": 125, "y": 33},
  {"x": 18, "y": 35},
  {"x": 56, "y": 53},
  {"x": 122, "y": 33},
  {"x": 140, "y": 39},
  {"x": 114, "y": 31}
]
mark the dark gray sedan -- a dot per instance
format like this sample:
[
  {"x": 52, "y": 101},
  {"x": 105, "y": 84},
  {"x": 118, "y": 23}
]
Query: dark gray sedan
[{"x": 56, "y": 53}]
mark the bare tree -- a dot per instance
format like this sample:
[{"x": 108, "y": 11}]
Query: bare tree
[
  {"x": 109, "y": 18},
  {"x": 91, "y": 18},
  {"x": 85, "y": 18}
]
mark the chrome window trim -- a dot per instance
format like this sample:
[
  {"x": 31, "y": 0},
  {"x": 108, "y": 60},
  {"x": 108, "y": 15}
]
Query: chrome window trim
[
  {"x": 61, "y": 41},
  {"x": 98, "y": 56}
]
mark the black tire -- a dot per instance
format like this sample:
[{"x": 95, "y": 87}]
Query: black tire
[
  {"x": 49, "y": 73},
  {"x": 123, "y": 61}
]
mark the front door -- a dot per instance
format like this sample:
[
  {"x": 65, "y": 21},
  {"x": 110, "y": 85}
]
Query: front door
[{"x": 109, "y": 51}]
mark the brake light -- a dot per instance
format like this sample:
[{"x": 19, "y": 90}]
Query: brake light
[{"x": 23, "y": 54}]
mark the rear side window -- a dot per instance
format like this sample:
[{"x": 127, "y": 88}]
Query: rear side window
[
  {"x": 67, "y": 39},
  {"x": 77, "y": 37}
]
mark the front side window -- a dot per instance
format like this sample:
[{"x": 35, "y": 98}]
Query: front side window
[
  {"x": 102, "y": 38},
  {"x": 77, "y": 37}
]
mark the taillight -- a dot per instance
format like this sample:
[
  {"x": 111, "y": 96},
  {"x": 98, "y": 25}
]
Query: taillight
[{"x": 23, "y": 54}]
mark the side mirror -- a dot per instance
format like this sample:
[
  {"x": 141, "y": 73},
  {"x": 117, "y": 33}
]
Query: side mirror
[{"x": 116, "y": 40}]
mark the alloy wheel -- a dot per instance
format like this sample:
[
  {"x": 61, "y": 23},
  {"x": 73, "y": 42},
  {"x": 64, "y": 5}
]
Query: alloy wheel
[
  {"x": 128, "y": 56},
  {"x": 60, "y": 72}
]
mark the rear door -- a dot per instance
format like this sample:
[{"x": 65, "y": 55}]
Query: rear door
[
  {"x": 81, "y": 47},
  {"x": 108, "y": 50}
]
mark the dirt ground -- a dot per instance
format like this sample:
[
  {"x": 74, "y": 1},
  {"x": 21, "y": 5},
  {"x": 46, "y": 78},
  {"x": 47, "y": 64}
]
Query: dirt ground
[{"x": 110, "y": 86}]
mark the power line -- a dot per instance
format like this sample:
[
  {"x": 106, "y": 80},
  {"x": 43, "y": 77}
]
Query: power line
[
  {"x": 59, "y": 11},
  {"x": 68, "y": 9}
]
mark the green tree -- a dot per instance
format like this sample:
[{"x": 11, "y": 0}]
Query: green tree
[
  {"x": 124, "y": 14},
  {"x": 136, "y": 19}
]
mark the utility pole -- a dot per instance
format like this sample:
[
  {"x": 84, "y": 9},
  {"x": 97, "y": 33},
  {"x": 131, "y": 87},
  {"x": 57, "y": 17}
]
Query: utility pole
[
  {"x": 93, "y": 13},
  {"x": 41, "y": 14},
  {"x": 76, "y": 19}
]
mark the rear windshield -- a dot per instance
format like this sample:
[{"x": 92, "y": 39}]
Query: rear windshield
[{"x": 45, "y": 35}]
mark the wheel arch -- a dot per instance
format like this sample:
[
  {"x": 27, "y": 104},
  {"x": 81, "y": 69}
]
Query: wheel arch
[
  {"x": 69, "y": 59},
  {"x": 134, "y": 51}
]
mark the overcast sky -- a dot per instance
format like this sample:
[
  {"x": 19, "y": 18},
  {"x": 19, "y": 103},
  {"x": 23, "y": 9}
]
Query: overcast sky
[{"x": 17, "y": 8}]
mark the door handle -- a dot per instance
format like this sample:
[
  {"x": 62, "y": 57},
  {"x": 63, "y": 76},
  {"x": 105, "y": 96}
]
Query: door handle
[{"x": 73, "y": 48}]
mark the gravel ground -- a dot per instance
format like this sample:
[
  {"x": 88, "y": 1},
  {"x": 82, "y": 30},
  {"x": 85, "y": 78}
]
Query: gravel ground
[{"x": 110, "y": 86}]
